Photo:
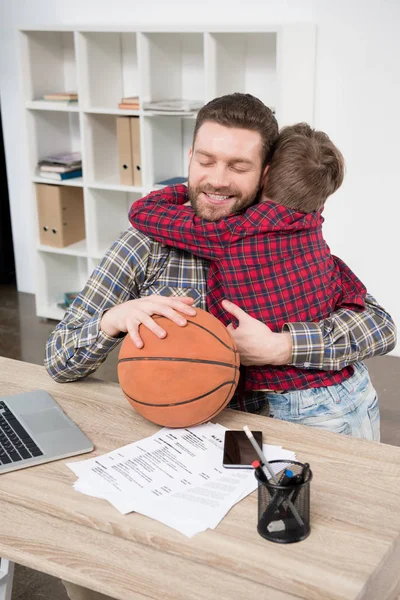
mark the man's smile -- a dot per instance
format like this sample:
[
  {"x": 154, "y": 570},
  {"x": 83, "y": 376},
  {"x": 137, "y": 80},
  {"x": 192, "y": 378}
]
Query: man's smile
[{"x": 217, "y": 198}]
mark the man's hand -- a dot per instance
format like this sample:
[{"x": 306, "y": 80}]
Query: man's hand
[
  {"x": 257, "y": 344},
  {"x": 128, "y": 316}
]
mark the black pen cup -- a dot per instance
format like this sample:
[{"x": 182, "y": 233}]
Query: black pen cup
[{"x": 284, "y": 510}]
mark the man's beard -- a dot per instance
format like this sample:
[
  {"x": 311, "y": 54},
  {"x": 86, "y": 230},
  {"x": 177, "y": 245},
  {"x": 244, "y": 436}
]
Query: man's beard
[{"x": 213, "y": 212}]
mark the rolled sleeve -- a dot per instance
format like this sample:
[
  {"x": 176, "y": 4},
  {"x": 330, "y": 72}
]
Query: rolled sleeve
[
  {"x": 343, "y": 338},
  {"x": 308, "y": 345}
]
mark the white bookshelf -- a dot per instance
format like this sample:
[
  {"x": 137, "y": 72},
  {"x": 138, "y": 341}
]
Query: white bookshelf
[{"x": 275, "y": 64}]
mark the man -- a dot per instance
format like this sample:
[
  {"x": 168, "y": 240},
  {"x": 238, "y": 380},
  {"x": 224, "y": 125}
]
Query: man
[{"x": 139, "y": 278}]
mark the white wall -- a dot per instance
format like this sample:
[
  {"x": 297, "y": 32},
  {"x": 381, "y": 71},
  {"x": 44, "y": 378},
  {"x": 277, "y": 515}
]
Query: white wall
[{"x": 357, "y": 104}]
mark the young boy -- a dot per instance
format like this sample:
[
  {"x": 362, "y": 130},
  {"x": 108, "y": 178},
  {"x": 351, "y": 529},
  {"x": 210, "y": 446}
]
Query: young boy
[{"x": 272, "y": 259}]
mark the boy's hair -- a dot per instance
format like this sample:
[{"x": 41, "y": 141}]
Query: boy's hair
[
  {"x": 242, "y": 111},
  {"x": 305, "y": 168}
]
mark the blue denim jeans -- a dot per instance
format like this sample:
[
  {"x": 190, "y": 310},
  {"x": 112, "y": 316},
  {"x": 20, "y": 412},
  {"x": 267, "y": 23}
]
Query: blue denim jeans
[{"x": 350, "y": 407}]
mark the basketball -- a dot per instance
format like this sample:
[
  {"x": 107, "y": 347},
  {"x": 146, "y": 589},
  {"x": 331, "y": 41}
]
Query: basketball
[{"x": 184, "y": 379}]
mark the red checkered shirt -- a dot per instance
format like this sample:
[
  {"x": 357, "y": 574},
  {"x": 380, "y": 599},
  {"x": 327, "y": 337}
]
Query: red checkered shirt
[{"x": 271, "y": 261}]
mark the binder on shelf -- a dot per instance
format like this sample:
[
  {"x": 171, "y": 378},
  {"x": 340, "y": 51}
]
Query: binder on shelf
[
  {"x": 60, "y": 214},
  {"x": 136, "y": 155},
  {"x": 124, "y": 150}
]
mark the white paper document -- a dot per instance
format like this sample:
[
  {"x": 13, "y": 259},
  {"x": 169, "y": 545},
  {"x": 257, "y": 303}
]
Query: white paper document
[{"x": 174, "y": 476}]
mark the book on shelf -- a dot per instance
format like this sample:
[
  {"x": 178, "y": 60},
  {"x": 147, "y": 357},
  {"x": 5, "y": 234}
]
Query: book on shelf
[
  {"x": 130, "y": 100},
  {"x": 69, "y": 297},
  {"x": 128, "y": 106},
  {"x": 176, "y": 105},
  {"x": 65, "y": 159},
  {"x": 61, "y": 176},
  {"x": 75, "y": 102},
  {"x": 129, "y": 103},
  {"x": 61, "y": 96},
  {"x": 54, "y": 168}
]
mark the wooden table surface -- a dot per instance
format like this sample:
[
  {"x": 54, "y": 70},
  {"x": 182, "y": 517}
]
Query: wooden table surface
[{"x": 353, "y": 551}]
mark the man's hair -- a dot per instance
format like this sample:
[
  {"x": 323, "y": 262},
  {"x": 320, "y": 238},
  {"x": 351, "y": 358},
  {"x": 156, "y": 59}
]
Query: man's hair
[
  {"x": 305, "y": 168},
  {"x": 242, "y": 111}
]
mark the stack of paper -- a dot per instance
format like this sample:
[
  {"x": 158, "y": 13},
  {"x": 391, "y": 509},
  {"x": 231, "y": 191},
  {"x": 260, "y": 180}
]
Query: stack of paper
[
  {"x": 175, "y": 105},
  {"x": 174, "y": 476}
]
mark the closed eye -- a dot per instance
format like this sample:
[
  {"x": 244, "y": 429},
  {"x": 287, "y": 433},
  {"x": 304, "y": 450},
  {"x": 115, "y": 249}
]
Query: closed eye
[{"x": 240, "y": 169}]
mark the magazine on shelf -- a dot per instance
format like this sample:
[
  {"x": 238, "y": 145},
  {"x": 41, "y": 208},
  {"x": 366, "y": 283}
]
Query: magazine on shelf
[
  {"x": 178, "y": 105},
  {"x": 55, "y": 168},
  {"x": 67, "y": 159}
]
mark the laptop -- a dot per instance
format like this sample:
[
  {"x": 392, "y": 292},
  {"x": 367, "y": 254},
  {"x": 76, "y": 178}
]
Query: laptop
[{"x": 34, "y": 430}]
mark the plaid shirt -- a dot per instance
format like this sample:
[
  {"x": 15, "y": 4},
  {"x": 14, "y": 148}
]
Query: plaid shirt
[
  {"x": 136, "y": 266},
  {"x": 271, "y": 261}
]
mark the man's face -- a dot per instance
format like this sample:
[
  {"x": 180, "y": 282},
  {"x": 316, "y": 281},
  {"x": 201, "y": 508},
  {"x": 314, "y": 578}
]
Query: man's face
[{"x": 225, "y": 170}]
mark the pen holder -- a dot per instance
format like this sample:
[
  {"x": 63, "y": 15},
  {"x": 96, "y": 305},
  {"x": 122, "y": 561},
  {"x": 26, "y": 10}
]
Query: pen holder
[{"x": 284, "y": 510}]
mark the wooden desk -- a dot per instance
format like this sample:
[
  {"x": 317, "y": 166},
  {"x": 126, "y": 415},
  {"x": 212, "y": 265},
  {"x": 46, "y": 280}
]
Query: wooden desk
[{"x": 353, "y": 551}]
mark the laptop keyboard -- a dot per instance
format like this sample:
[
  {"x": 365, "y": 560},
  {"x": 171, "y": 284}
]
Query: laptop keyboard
[{"x": 15, "y": 442}]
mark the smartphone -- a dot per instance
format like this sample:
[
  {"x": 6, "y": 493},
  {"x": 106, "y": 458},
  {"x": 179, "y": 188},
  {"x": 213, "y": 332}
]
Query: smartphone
[{"x": 238, "y": 451}]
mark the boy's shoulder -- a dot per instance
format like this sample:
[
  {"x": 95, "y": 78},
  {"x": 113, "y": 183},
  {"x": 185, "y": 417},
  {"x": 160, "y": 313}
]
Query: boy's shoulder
[{"x": 269, "y": 215}]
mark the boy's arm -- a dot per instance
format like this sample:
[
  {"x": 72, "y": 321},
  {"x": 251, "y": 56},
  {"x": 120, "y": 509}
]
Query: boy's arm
[{"x": 161, "y": 216}]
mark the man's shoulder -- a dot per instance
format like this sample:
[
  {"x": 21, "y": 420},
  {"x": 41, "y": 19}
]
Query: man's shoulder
[
  {"x": 133, "y": 238},
  {"x": 132, "y": 244}
]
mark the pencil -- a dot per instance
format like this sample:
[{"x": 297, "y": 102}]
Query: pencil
[{"x": 270, "y": 471}]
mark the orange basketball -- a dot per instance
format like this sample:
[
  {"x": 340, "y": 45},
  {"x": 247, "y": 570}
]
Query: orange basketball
[{"x": 184, "y": 379}]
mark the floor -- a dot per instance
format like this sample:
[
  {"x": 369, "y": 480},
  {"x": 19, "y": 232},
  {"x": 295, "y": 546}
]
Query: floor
[{"x": 23, "y": 337}]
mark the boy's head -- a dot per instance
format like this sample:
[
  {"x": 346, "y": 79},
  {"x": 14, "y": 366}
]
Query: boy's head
[
  {"x": 306, "y": 168},
  {"x": 232, "y": 143}
]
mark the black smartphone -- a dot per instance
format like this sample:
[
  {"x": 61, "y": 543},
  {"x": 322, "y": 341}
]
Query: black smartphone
[{"x": 238, "y": 451}]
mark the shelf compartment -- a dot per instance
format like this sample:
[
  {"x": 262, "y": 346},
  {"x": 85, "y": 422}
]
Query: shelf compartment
[
  {"x": 243, "y": 62},
  {"x": 50, "y": 63},
  {"x": 173, "y": 66},
  {"x": 52, "y": 132},
  {"x": 58, "y": 274},
  {"x": 108, "y": 217},
  {"x": 109, "y": 68},
  {"x": 166, "y": 146},
  {"x": 101, "y": 150}
]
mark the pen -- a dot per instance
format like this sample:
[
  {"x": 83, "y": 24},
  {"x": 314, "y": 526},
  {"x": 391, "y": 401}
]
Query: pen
[
  {"x": 287, "y": 477},
  {"x": 305, "y": 472},
  {"x": 300, "y": 479},
  {"x": 261, "y": 455},
  {"x": 266, "y": 466},
  {"x": 257, "y": 467}
]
